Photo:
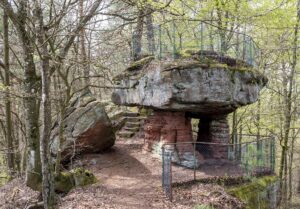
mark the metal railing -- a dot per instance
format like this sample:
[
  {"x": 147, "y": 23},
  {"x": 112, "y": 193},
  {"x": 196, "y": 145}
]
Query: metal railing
[
  {"x": 170, "y": 39},
  {"x": 183, "y": 162}
]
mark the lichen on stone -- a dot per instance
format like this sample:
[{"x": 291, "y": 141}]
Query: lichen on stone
[
  {"x": 133, "y": 74},
  {"x": 211, "y": 57},
  {"x": 182, "y": 64}
]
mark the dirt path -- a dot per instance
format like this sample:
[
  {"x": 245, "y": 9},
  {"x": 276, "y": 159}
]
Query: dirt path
[
  {"x": 127, "y": 179},
  {"x": 131, "y": 179}
]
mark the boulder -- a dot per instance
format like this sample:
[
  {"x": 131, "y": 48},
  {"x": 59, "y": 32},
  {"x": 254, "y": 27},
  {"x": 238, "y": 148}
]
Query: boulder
[
  {"x": 87, "y": 128},
  {"x": 194, "y": 84}
]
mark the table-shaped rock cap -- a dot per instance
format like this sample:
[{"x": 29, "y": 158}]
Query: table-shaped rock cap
[{"x": 199, "y": 82}]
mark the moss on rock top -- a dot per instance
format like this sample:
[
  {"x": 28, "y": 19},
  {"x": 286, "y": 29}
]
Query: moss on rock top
[
  {"x": 140, "y": 63},
  {"x": 185, "y": 60}
]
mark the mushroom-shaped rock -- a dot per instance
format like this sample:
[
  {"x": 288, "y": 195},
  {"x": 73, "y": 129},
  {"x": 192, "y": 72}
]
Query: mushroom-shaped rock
[
  {"x": 201, "y": 85},
  {"x": 189, "y": 85}
]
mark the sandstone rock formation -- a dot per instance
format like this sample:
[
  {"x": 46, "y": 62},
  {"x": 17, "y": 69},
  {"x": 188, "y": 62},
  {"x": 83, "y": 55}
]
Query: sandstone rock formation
[
  {"x": 87, "y": 128},
  {"x": 188, "y": 85},
  {"x": 199, "y": 85},
  {"x": 172, "y": 129}
]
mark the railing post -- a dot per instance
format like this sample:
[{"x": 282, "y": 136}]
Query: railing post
[
  {"x": 195, "y": 161},
  {"x": 160, "y": 46},
  {"x": 237, "y": 47},
  {"x": 259, "y": 153},
  {"x": 235, "y": 145},
  {"x": 263, "y": 155},
  {"x": 201, "y": 38},
  {"x": 174, "y": 39},
  {"x": 251, "y": 51},
  {"x": 171, "y": 189},
  {"x": 167, "y": 172},
  {"x": 244, "y": 47},
  {"x": 219, "y": 43},
  {"x": 247, "y": 156},
  {"x": 163, "y": 166},
  {"x": 273, "y": 154}
]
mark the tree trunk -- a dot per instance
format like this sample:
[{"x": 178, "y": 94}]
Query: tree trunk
[
  {"x": 291, "y": 160},
  {"x": 31, "y": 84},
  {"x": 31, "y": 103},
  {"x": 84, "y": 63},
  {"x": 298, "y": 189},
  {"x": 234, "y": 128},
  {"x": 8, "y": 118},
  {"x": 288, "y": 96},
  {"x": 47, "y": 174},
  {"x": 137, "y": 36},
  {"x": 150, "y": 31}
]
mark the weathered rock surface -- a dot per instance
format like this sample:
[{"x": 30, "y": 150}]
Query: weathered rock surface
[
  {"x": 173, "y": 131},
  {"x": 189, "y": 85},
  {"x": 216, "y": 131},
  {"x": 87, "y": 129}
]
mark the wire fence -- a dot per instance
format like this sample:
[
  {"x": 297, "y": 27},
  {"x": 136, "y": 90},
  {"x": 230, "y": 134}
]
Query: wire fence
[
  {"x": 170, "y": 39},
  {"x": 183, "y": 162}
]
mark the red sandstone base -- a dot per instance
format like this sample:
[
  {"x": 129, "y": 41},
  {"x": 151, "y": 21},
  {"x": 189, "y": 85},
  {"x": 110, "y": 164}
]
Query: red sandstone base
[
  {"x": 174, "y": 128},
  {"x": 171, "y": 129}
]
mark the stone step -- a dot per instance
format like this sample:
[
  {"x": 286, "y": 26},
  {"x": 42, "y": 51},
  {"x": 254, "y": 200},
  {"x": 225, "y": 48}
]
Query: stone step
[
  {"x": 134, "y": 119},
  {"x": 125, "y": 134},
  {"x": 133, "y": 129},
  {"x": 131, "y": 114},
  {"x": 118, "y": 124},
  {"x": 220, "y": 135},
  {"x": 221, "y": 131},
  {"x": 141, "y": 135},
  {"x": 115, "y": 115},
  {"x": 133, "y": 124}
]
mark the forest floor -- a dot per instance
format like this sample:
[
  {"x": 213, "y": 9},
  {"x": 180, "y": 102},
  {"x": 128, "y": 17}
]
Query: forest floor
[{"x": 127, "y": 179}]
